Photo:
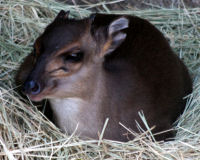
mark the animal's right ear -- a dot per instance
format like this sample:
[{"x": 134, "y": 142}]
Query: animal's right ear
[{"x": 62, "y": 15}]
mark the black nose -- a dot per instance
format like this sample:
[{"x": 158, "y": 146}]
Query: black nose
[{"x": 31, "y": 87}]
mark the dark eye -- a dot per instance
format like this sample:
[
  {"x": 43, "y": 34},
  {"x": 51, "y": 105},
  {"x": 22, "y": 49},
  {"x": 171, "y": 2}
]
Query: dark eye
[{"x": 73, "y": 57}]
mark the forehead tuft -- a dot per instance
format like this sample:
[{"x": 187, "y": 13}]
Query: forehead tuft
[{"x": 62, "y": 32}]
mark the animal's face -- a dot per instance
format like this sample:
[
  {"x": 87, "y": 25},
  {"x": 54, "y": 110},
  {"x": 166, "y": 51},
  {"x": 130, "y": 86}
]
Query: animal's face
[{"x": 68, "y": 55}]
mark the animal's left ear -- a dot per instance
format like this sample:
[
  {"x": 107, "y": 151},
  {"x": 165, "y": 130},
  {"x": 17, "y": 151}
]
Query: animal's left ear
[{"x": 115, "y": 35}]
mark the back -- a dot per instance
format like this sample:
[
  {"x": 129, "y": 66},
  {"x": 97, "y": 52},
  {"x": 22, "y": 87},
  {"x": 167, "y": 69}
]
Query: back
[{"x": 145, "y": 74}]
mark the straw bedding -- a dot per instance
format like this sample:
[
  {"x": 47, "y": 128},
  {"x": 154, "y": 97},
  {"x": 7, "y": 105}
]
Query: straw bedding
[{"x": 26, "y": 134}]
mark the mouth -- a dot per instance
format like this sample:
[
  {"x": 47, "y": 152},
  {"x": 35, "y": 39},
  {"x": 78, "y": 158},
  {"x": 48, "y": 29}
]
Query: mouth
[
  {"x": 39, "y": 96},
  {"x": 35, "y": 98}
]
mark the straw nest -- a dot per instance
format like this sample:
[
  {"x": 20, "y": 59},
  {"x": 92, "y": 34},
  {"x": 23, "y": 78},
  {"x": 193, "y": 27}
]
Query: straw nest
[{"x": 26, "y": 134}]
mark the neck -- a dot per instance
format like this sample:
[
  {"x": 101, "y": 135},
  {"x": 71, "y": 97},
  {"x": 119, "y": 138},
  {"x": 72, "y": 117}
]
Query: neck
[{"x": 86, "y": 112}]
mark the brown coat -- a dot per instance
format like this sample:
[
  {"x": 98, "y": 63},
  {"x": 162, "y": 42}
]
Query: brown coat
[{"x": 106, "y": 66}]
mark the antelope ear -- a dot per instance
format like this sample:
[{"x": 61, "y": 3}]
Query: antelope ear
[
  {"x": 115, "y": 34},
  {"x": 62, "y": 15}
]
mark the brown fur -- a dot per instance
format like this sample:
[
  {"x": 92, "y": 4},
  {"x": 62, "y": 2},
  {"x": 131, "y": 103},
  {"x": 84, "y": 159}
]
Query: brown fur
[{"x": 121, "y": 74}]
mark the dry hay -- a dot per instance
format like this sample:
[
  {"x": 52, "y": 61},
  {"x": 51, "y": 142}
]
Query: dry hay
[{"x": 26, "y": 134}]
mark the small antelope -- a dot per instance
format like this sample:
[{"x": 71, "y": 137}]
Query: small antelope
[{"x": 106, "y": 66}]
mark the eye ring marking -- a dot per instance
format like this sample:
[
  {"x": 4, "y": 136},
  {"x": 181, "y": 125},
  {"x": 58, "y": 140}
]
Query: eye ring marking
[{"x": 57, "y": 69}]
